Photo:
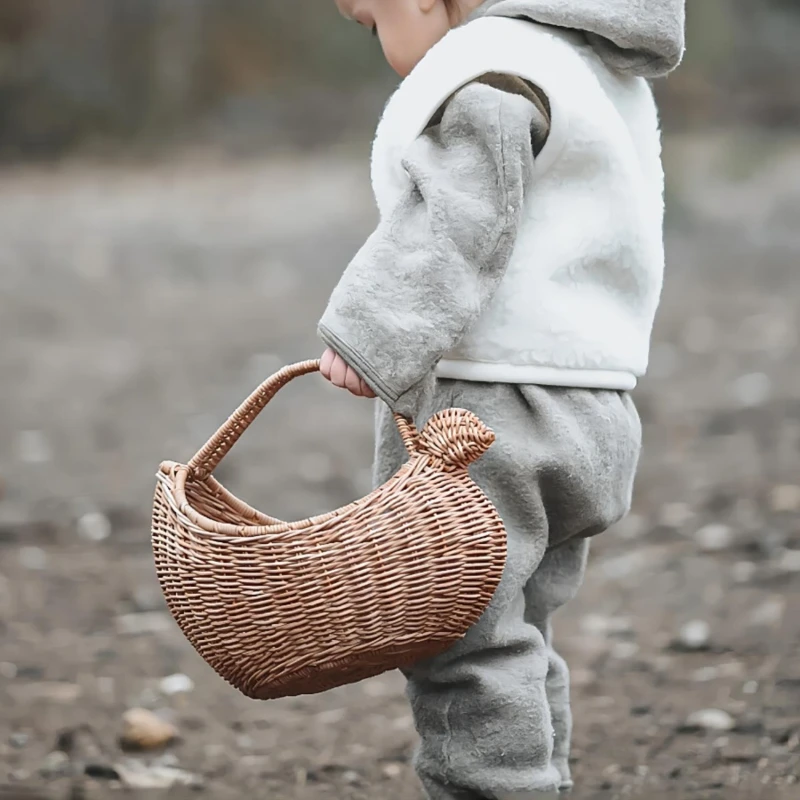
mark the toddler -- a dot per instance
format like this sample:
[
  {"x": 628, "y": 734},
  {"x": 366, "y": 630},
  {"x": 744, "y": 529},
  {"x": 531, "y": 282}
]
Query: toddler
[{"x": 516, "y": 271}]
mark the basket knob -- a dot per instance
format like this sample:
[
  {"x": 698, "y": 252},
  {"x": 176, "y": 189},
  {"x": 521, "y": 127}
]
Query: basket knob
[{"x": 455, "y": 436}]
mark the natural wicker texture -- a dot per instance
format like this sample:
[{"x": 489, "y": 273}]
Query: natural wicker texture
[{"x": 281, "y": 609}]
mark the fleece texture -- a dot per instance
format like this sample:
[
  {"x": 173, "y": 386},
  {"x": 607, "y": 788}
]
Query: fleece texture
[
  {"x": 634, "y": 37},
  {"x": 433, "y": 264},
  {"x": 493, "y": 713},
  {"x": 578, "y": 299}
]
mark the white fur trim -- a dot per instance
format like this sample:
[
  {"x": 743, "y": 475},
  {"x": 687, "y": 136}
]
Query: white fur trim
[
  {"x": 478, "y": 372},
  {"x": 581, "y": 291}
]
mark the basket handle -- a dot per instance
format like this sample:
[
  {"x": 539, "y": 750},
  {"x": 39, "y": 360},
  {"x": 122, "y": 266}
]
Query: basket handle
[{"x": 208, "y": 458}]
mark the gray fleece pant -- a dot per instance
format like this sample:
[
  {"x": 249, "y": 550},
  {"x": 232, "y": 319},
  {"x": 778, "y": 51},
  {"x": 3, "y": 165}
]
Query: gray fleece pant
[{"x": 493, "y": 713}]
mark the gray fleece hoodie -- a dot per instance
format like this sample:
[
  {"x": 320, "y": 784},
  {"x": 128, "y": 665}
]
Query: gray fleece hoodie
[
  {"x": 639, "y": 37},
  {"x": 425, "y": 275}
]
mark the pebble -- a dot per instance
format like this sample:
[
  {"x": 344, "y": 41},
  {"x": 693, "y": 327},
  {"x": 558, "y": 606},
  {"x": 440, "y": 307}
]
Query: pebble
[
  {"x": 769, "y": 612},
  {"x": 751, "y": 687},
  {"x": 695, "y": 635},
  {"x": 94, "y": 527},
  {"x": 176, "y": 684},
  {"x": 135, "y": 775},
  {"x": 752, "y": 390},
  {"x": 52, "y": 691},
  {"x": 785, "y": 499},
  {"x": 675, "y": 515},
  {"x": 713, "y": 538},
  {"x": 18, "y": 740},
  {"x": 705, "y": 674},
  {"x": 790, "y": 561},
  {"x": 710, "y": 719},
  {"x": 143, "y": 730},
  {"x": 8, "y": 670},
  {"x": 392, "y": 771},
  {"x": 743, "y": 571},
  {"x": 624, "y": 650},
  {"x": 33, "y": 558},
  {"x": 599, "y": 625},
  {"x": 33, "y": 447},
  {"x": 147, "y": 622},
  {"x": 55, "y": 765}
]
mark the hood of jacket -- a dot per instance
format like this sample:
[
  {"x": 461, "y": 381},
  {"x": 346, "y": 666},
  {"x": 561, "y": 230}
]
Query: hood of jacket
[{"x": 636, "y": 37}]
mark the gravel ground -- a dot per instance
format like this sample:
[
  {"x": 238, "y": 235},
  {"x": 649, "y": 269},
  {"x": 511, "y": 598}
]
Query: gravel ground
[{"x": 138, "y": 306}]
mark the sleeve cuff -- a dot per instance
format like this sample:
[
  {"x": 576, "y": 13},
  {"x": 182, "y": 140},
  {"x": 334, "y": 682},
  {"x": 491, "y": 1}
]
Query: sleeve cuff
[{"x": 361, "y": 365}]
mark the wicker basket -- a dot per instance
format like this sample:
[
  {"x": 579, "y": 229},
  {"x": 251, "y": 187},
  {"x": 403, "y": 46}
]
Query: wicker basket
[{"x": 281, "y": 609}]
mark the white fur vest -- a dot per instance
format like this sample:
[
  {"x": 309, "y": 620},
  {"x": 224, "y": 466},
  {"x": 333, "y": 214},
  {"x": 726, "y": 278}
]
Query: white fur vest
[{"x": 577, "y": 303}]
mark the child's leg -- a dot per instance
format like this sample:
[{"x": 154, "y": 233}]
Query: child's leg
[
  {"x": 562, "y": 469},
  {"x": 555, "y": 583},
  {"x": 482, "y": 709}
]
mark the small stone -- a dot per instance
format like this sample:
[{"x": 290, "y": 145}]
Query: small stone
[
  {"x": 148, "y": 622},
  {"x": 33, "y": 558},
  {"x": 351, "y": 777},
  {"x": 135, "y": 775},
  {"x": 752, "y": 390},
  {"x": 176, "y": 684},
  {"x": 8, "y": 670},
  {"x": 713, "y": 538},
  {"x": 785, "y": 499},
  {"x": 94, "y": 527},
  {"x": 50, "y": 691},
  {"x": 675, "y": 515},
  {"x": 55, "y": 765},
  {"x": 101, "y": 772},
  {"x": 751, "y": 687},
  {"x": 392, "y": 770},
  {"x": 624, "y": 650},
  {"x": 143, "y": 730},
  {"x": 769, "y": 612},
  {"x": 695, "y": 635},
  {"x": 333, "y": 716},
  {"x": 705, "y": 674},
  {"x": 790, "y": 561},
  {"x": 33, "y": 447},
  {"x": 599, "y": 625},
  {"x": 743, "y": 571},
  {"x": 710, "y": 719},
  {"x": 18, "y": 740}
]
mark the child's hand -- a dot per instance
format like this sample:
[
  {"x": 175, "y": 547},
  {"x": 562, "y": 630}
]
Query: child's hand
[{"x": 335, "y": 369}]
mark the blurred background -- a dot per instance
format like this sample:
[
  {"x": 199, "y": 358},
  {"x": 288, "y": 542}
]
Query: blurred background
[{"x": 181, "y": 182}]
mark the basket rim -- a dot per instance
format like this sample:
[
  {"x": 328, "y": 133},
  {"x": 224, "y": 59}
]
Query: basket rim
[{"x": 176, "y": 494}]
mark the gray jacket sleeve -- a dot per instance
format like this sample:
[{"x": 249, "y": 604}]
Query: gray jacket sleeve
[{"x": 430, "y": 268}]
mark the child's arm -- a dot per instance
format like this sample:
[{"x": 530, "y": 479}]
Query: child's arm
[{"x": 430, "y": 268}]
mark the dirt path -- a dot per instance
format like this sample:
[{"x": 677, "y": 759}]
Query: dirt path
[{"x": 137, "y": 308}]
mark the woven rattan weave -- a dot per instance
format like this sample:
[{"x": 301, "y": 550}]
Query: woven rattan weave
[{"x": 281, "y": 609}]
